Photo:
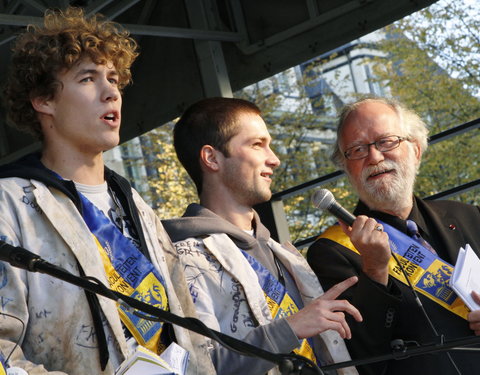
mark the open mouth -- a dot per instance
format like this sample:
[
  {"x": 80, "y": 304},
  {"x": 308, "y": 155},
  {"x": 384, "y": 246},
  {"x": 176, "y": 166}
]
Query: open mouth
[
  {"x": 267, "y": 176},
  {"x": 375, "y": 174},
  {"x": 110, "y": 117}
]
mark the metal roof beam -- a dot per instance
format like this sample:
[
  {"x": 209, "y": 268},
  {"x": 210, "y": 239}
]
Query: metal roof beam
[
  {"x": 177, "y": 32},
  {"x": 35, "y": 4},
  {"x": 17, "y": 20},
  {"x": 7, "y": 38},
  {"x": 149, "y": 30},
  {"x": 119, "y": 8},
  {"x": 96, "y": 6}
]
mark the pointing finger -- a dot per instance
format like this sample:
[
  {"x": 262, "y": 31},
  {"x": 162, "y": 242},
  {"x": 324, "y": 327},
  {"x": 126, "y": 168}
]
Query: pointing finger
[{"x": 339, "y": 288}]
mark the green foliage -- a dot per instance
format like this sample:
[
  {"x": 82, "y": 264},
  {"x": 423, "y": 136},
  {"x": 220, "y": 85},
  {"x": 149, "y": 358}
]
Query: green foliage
[
  {"x": 431, "y": 62},
  {"x": 302, "y": 157},
  {"x": 172, "y": 189},
  {"x": 432, "y": 67}
]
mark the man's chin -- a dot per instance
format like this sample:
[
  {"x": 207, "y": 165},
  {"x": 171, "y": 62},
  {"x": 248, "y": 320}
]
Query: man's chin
[
  {"x": 260, "y": 198},
  {"x": 385, "y": 200},
  {"x": 380, "y": 195},
  {"x": 377, "y": 190}
]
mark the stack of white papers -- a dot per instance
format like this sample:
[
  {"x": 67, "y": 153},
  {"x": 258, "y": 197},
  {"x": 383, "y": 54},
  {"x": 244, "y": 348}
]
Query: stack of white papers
[
  {"x": 173, "y": 361},
  {"x": 466, "y": 276}
]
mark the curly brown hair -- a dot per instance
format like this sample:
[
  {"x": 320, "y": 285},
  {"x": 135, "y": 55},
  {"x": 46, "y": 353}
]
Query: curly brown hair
[{"x": 41, "y": 52}]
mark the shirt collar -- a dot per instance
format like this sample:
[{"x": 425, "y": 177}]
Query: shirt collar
[{"x": 415, "y": 215}]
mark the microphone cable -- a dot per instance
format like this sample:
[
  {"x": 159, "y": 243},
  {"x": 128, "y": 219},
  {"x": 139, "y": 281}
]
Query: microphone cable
[
  {"x": 17, "y": 342},
  {"x": 424, "y": 312},
  {"x": 242, "y": 350},
  {"x": 22, "y": 258},
  {"x": 324, "y": 199}
]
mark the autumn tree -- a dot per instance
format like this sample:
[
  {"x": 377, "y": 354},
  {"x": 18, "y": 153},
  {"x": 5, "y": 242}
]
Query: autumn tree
[
  {"x": 430, "y": 61},
  {"x": 432, "y": 65},
  {"x": 171, "y": 189}
]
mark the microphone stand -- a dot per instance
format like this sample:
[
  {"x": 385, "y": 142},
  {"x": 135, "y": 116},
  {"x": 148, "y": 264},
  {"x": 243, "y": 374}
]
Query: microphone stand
[
  {"x": 289, "y": 364},
  {"x": 401, "y": 351}
]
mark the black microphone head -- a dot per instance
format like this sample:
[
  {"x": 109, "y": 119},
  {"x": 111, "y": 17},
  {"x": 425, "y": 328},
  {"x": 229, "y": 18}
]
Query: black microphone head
[{"x": 323, "y": 199}]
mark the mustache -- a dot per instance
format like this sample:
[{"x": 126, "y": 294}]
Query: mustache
[{"x": 385, "y": 165}]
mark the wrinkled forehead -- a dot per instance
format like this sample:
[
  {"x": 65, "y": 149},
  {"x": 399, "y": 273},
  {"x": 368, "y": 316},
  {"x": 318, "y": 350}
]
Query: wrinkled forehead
[{"x": 369, "y": 122}]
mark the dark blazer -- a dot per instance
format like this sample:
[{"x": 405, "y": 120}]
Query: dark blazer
[{"x": 391, "y": 312}]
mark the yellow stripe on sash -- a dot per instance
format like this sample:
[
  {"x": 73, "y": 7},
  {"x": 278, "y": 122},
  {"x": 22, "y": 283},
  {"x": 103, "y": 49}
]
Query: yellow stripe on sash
[
  {"x": 415, "y": 273},
  {"x": 279, "y": 302},
  {"x": 118, "y": 284},
  {"x": 286, "y": 308}
]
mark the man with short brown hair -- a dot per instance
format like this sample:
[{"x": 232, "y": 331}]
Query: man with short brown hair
[{"x": 242, "y": 282}]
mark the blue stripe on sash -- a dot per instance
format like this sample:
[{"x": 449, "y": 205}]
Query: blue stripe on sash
[
  {"x": 276, "y": 291},
  {"x": 127, "y": 260}
]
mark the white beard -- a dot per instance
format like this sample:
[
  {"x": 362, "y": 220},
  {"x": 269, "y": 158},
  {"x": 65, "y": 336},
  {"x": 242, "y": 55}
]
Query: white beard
[{"x": 391, "y": 194}]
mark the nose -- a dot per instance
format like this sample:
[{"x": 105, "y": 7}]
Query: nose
[
  {"x": 273, "y": 161},
  {"x": 110, "y": 91},
  {"x": 374, "y": 156}
]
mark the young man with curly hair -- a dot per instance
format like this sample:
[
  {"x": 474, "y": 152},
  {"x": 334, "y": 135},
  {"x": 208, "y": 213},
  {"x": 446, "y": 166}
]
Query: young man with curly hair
[{"x": 66, "y": 206}]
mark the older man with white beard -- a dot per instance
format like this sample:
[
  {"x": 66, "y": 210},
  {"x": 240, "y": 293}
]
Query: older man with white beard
[{"x": 379, "y": 145}]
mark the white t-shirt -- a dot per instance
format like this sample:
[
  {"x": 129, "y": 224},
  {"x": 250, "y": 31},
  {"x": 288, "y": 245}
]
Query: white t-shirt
[
  {"x": 106, "y": 202},
  {"x": 102, "y": 199}
]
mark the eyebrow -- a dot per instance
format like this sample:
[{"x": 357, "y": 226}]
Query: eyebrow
[
  {"x": 359, "y": 143},
  {"x": 261, "y": 138},
  {"x": 82, "y": 72}
]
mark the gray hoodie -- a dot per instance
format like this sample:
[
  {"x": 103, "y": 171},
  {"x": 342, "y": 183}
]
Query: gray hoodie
[{"x": 200, "y": 222}]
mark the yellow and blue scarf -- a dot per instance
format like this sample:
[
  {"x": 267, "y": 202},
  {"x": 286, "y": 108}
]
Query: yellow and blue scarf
[
  {"x": 428, "y": 273},
  {"x": 279, "y": 301},
  {"x": 3, "y": 364},
  {"x": 128, "y": 272}
]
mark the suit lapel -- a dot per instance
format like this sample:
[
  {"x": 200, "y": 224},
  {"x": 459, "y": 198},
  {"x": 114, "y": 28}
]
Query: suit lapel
[{"x": 448, "y": 235}]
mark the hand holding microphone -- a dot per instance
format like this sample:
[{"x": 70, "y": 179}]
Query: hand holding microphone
[
  {"x": 365, "y": 233},
  {"x": 325, "y": 200}
]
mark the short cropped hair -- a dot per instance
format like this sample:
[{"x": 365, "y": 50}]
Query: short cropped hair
[
  {"x": 413, "y": 126},
  {"x": 211, "y": 121},
  {"x": 41, "y": 52}
]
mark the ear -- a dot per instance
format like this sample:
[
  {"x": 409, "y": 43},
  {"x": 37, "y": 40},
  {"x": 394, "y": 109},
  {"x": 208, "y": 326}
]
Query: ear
[
  {"x": 43, "y": 105},
  {"x": 209, "y": 158},
  {"x": 418, "y": 151}
]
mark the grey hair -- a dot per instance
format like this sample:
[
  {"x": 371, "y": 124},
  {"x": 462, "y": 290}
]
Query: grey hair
[{"x": 414, "y": 127}]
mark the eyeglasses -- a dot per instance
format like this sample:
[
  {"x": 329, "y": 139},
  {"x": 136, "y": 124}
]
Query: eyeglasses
[{"x": 383, "y": 144}]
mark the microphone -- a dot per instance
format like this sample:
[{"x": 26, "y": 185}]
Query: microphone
[
  {"x": 18, "y": 257},
  {"x": 325, "y": 200},
  {"x": 22, "y": 258}
]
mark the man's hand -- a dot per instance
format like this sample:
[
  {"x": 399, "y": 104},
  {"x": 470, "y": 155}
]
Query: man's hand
[
  {"x": 326, "y": 313},
  {"x": 474, "y": 317},
  {"x": 373, "y": 247}
]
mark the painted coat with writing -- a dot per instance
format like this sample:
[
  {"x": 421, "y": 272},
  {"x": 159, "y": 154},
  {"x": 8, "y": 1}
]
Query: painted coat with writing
[
  {"x": 59, "y": 335},
  {"x": 225, "y": 288}
]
